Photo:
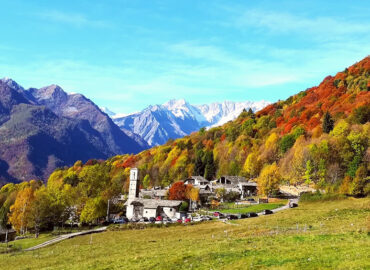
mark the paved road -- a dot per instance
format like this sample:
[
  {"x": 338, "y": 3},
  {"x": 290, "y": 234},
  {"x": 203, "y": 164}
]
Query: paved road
[
  {"x": 64, "y": 237},
  {"x": 283, "y": 207}
]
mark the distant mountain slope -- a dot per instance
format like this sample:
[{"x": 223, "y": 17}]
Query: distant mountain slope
[
  {"x": 41, "y": 129},
  {"x": 177, "y": 118},
  {"x": 77, "y": 106}
]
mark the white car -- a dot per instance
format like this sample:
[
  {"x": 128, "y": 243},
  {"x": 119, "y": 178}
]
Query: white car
[{"x": 197, "y": 219}]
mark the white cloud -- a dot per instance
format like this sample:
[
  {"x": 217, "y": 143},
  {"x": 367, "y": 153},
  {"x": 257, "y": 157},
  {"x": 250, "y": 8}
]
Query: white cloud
[
  {"x": 322, "y": 28},
  {"x": 75, "y": 19}
]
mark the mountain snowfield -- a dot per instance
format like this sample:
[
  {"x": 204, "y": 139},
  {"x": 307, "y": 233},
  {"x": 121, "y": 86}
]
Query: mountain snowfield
[{"x": 177, "y": 118}]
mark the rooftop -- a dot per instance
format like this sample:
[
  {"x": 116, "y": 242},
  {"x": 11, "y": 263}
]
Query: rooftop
[{"x": 152, "y": 203}]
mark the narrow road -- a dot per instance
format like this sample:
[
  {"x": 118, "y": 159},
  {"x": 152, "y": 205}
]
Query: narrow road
[
  {"x": 66, "y": 236},
  {"x": 281, "y": 208}
]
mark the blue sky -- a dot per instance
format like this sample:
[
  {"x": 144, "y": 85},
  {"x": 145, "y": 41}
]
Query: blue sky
[{"x": 128, "y": 54}]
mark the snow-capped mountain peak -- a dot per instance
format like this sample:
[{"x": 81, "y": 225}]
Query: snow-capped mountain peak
[
  {"x": 219, "y": 113},
  {"x": 107, "y": 111},
  {"x": 177, "y": 118}
]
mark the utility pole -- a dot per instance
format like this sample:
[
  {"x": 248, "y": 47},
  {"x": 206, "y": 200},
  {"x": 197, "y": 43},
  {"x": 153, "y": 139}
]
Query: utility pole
[{"x": 108, "y": 211}]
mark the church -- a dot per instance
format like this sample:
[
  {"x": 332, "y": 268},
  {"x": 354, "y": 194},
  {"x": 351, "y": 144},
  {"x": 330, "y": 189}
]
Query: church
[{"x": 137, "y": 208}]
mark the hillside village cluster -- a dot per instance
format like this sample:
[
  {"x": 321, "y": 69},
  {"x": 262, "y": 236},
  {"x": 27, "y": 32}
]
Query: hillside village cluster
[{"x": 148, "y": 204}]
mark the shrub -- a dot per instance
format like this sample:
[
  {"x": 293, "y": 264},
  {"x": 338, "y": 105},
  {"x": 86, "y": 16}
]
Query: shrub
[
  {"x": 286, "y": 142},
  {"x": 318, "y": 196},
  {"x": 184, "y": 206}
]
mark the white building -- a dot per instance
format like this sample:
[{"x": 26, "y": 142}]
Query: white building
[{"x": 137, "y": 207}]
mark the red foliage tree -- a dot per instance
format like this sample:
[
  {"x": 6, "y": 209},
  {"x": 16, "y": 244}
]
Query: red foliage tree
[
  {"x": 129, "y": 162},
  {"x": 177, "y": 191}
]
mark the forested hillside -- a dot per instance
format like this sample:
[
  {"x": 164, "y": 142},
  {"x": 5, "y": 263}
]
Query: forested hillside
[{"x": 318, "y": 137}]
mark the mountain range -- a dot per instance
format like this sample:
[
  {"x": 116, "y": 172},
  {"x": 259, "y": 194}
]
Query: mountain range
[
  {"x": 177, "y": 118},
  {"x": 42, "y": 129}
]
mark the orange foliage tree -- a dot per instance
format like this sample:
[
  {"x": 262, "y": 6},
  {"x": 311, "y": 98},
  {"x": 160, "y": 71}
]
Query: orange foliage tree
[{"x": 177, "y": 191}]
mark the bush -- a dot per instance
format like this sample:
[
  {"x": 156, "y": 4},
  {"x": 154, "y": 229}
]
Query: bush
[
  {"x": 184, "y": 207},
  {"x": 231, "y": 196},
  {"x": 286, "y": 142},
  {"x": 318, "y": 196}
]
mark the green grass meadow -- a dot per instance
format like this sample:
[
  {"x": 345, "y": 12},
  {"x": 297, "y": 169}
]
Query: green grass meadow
[
  {"x": 252, "y": 208},
  {"x": 316, "y": 235}
]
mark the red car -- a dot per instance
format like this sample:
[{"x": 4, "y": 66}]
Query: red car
[
  {"x": 187, "y": 220},
  {"x": 179, "y": 221},
  {"x": 159, "y": 218},
  {"x": 216, "y": 214}
]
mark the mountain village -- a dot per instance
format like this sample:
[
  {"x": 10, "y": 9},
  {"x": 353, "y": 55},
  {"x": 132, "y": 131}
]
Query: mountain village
[{"x": 151, "y": 204}]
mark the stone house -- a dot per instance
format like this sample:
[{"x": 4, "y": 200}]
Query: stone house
[
  {"x": 236, "y": 184},
  {"x": 196, "y": 181}
]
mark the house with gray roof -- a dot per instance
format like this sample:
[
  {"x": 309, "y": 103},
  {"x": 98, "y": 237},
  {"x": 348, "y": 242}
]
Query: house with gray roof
[
  {"x": 236, "y": 184},
  {"x": 196, "y": 181}
]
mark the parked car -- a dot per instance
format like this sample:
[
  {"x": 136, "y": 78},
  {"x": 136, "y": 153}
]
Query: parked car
[
  {"x": 216, "y": 214},
  {"x": 121, "y": 220},
  {"x": 251, "y": 200},
  {"x": 179, "y": 220},
  {"x": 152, "y": 219},
  {"x": 144, "y": 219},
  {"x": 166, "y": 220},
  {"x": 252, "y": 214},
  {"x": 220, "y": 216},
  {"x": 187, "y": 220},
  {"x": 197, "y": 219},
  {"x": 159, "y": 218},
  {"x": 293, "y": 205},
  {"x": 267, "y": 212},
  {"x": 230, "y": 217},
  {"x": 206, "y": 218},
  {"x": 242, "y": 216},
  {"x": 134, "y": 219}
]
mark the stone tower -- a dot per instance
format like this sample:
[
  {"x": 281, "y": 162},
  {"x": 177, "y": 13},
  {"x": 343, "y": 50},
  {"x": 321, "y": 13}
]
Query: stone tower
[{"x": 133, "y": 191}]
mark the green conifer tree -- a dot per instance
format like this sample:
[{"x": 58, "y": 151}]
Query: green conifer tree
[{"x": 328, "y": 123}]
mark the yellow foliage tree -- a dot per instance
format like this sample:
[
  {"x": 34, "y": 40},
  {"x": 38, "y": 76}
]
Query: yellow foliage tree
[
  {"x": 269, "y": 179},
  {"x": 192, "y": 194},
  {"x": 20, "y": 212},
  {"x": 252, "y": 165}
]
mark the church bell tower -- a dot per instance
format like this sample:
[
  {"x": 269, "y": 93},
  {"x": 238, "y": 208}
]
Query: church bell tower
[{"x": 133, "y": 192}]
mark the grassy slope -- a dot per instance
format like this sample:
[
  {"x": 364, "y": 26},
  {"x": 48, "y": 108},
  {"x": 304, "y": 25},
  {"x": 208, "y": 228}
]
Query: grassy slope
[{"x": 332, "y": 235}]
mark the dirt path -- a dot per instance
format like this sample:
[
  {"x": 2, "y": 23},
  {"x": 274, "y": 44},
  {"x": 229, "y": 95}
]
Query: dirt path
[{"x": 64, "y": 237}]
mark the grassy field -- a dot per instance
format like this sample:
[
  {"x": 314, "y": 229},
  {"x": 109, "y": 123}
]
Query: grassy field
[
  {"x": 27, "y": 242},
  {"x": 252, "y": 208},
  {"x": 329, "y": 235},
  {"x": 31, "y": 241}
]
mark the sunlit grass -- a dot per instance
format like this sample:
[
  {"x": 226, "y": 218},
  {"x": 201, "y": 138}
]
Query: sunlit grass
[
  {"x": 329, "y": 235},
  {"x": 26, "y": 242},
  {"x": 252, "y": 208}
]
